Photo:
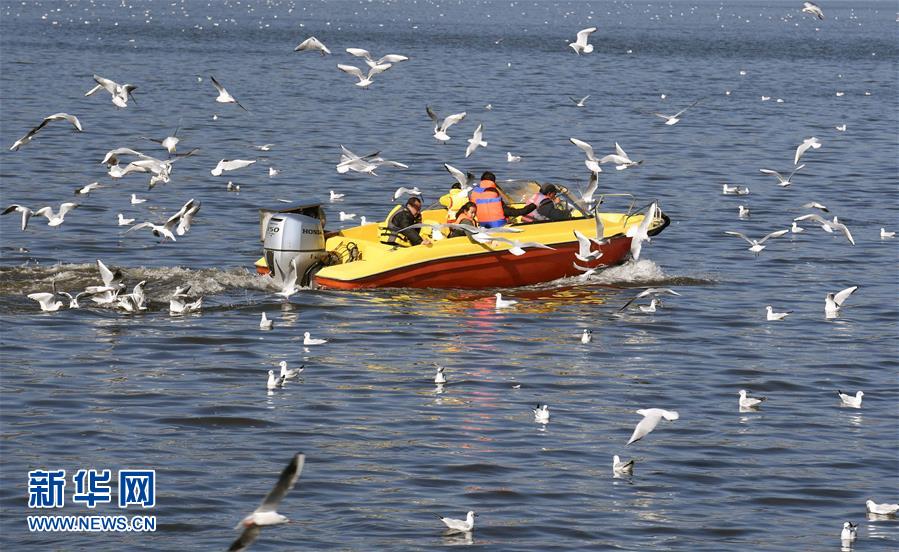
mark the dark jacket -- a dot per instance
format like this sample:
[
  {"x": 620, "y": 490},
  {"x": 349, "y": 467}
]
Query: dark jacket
[
  {"x": 455, "y": 232},
  {"x": 549, "y": 210},
  {"x": 403, "y": 219}
]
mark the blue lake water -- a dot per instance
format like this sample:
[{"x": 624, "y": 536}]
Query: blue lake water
[{"x": 186, "y": 396}]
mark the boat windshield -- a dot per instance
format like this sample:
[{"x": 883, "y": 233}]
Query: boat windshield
[{"x": 520, "y": 191}]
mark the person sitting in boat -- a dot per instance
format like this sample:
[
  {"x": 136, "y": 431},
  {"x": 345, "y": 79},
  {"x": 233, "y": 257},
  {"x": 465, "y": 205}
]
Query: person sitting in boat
[
  {"x": 546, "y": 200},
  {"x": 466, "y": 215},
  {"x": 395, "y": 229},
  {"x": 452, "y": 200},
  {"x": 492, "y": 210}
]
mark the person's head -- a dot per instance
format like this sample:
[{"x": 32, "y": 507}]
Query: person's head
[
  {"x": 469, "y": 209},
  {"x": 488, "y": 176},
  {"x": 456, "y": 186},
  {"x": 549, "y": 191},
  {"x": 414, "y": 205}
]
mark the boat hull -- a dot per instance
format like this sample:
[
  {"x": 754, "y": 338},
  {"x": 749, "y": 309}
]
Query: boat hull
[{"x": 488, "y": 269}]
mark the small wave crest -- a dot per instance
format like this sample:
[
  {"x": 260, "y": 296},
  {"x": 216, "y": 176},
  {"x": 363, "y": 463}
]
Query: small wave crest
[{"x": 642, "y": 273}]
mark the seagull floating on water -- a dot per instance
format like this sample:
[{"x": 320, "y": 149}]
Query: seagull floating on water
[
  {"x": 440, "y": 377},
  {"x": 459, "y": 525},
  {"x": 622, "y": 468},
  {"x": 309, "y": 340},
  {"x": 833, "y": 302},
  {"x": 884, "y": 509},
  {"x": 541, "y": 414},
  {"x": 884, "y": 235},
  {"x": 266, "y": 513},
  {"x": 747, "y": 402},
  {"x": 504, "y": 303},
  {"x": 772, "y": 316},
  {"x": 587, "y": 336},
  {"x": 46, "y": 301},
  {"x": 265, "y": 323},
  {"x": 290, "y": 373},
  {"x": 743, "y": 212},
  {"x": 734, "y": 190},
  {"x": 651, "y": 418},
  {"x": 512, "y": 158},
  {"x": 848, "y": 533},
  {"x": 854, "y": 401}
]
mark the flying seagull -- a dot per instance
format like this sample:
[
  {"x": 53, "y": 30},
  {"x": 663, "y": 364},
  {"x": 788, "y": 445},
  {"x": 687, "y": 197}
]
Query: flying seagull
[
  {"x": 812, "y": 9},
  {"x": 365, "y": 80},
  {"x": 224, "y": 96},
  {"x": 674, "y": 119},
  {"x": 620, "y": 159},
  {"x": 591, "y": 162},
  {"x": 812, "y": 143},
  {"x": 580, "y": 46},
  {"x": 756, "y": 245},
  {"x": 266, "y": 513},
  {"x": 48, "y": 119},
  {"x": 312, "y": 44},
  {"x": 651, "y": 418},
  {"x": 476, "y": 141},
  {"x": 440, "y": 127},
  {"x": 121, "y": 93},
  {"x": 781, "y": 181}
]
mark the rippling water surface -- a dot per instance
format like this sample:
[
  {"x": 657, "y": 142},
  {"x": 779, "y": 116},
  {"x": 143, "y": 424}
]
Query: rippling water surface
[{"x": 186, "y": 395}]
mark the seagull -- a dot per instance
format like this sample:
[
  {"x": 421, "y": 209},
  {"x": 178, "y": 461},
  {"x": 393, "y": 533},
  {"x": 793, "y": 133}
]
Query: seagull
[
  {"x": 833, "y": 302},
  {"x": 881, "y": 509},
  {"x": 829, "y": 225},
  {"x": 756, "y": 245},
  {"x": 651, "y": 307},
  {"x": 134, "y": 301},
  {"x": 26, "y": 213},
  {"x": 504, "y": 303},
  {"x": 581, "y": 102},
  {"x": 639, "y": 233},
  {"x": 46, "y": 300},
  {"x": 674, "y": 119},
  {"x": 580, "y": 46},
  {"x": 458, "y": 525},
  {"x": 232, "y": 187},
  {"x": 781, "y": 181},
  {"x": 190, "y": 209},
  {"x": 464, "y": 179},
  {"x": 439, "y": 377},
  {"x": 312, "y": 44},
  {"x": 88, "y": 188},
  {"x": 476, "y": 140},
  {"x": 855, "y": 401},
  {"x": 812, "y": 143},
  {"x": 812, "y": 9},
  {"x": 288, "y": 280},
  {"x": 841, "y": 128},
  {"x": 405, "y": 191},
  {"x": 231, "y": 165},
  {"x": 654, "y": 292},
  {"x": 264, "y": 147},
  {"x": 886, "y": 235},
  {"x": 121, "y": 93},
  {"x": 849, "y": 532},
  {"x": 773, "y": 316},
  {"x": 541, "y": 414},
  {"x": 48, "y": 119},
  {"x": 440, "y": 128},
  {"x": 584, "y": 243},
  {"x": 335, "y": 196},
  {"x": 290, "y": 373},
  {"x": 815, "y": 205},
  {"x": 796, "y": 229},
  {"x": 54, "y": 219},
  {"x": 136, "y": 200},
  {"x": 622, "y": 468},
  {"x": 364, "y": 80},
  {"x": 274, "y": 381},
  {"x": 743, "y": 212},
  {"x": 265, "y": 323},
  {"x": 179, "y": 222},
  {"x": 587, "y": 195},
  {"x": 177, "y": 305},
  {"x": 734, "y": 190},
  {"x": 224, "y": 96},
  {"x": 73, "y": 301},
  {"x": 651, "y": 418},
  {"x": 518, "y": 247},
  {"x": 170, "y": 143},
  {"x": 346, "y": 216},
  {"x": 619, "y": 159},
  {"x": 266, "y": 513},
  {"x": 273, "y": 171},
  {"x": 512, "y": 158},
  {"x": 308, "y": 340},
  {"x": 592, "y": 162},
  {"x": 388, "y": 59},
  {"x": 587, "y": 336},
  {"x": 747, "y": 402}
]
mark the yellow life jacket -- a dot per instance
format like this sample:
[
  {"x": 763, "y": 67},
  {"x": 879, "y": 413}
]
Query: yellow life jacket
[
  {"x": 453, "y": 200},
  {"x": 392, "y": 237}
]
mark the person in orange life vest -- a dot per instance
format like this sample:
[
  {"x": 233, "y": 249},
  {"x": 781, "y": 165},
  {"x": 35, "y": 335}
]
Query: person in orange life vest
[
  {"x": 466, "y": 215},
  {"x": 452, "y": 200},
  {"x": 545, "y": 200},
  {"x": 492, "y": 210}
]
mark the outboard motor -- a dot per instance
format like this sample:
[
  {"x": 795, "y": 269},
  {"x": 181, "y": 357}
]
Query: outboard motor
[{"x": 290, "y": 236}]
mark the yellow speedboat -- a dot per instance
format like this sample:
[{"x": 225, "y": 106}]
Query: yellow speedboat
[{"x": 355, "y": 258}]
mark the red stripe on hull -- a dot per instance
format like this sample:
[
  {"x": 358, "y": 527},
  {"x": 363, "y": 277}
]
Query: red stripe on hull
[{"x": 488, "y": 270}]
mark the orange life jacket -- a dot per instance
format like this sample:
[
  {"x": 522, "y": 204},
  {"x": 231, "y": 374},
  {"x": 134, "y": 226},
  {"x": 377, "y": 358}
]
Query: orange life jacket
[{"x": 489, "y": 203}]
